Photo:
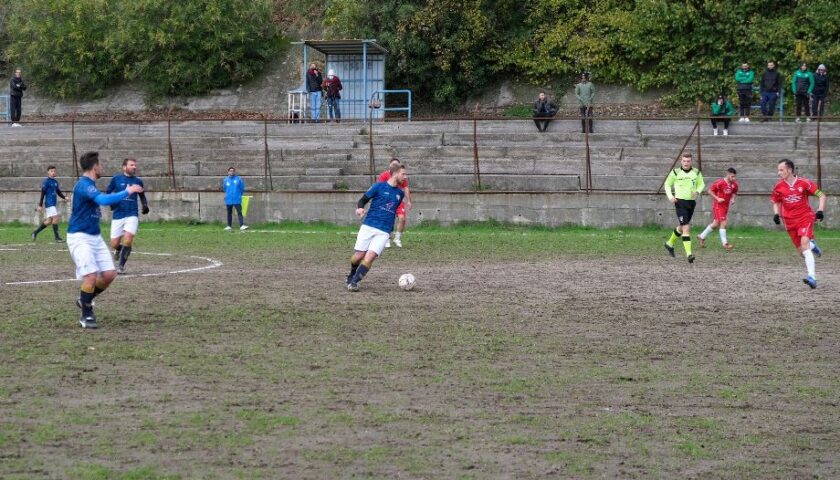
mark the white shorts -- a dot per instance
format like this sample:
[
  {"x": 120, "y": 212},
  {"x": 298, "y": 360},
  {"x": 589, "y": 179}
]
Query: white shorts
[
  {"x": 90, "y": 254},
  {"x": 371, "y": 239},
  {"x": 50, "y": 212},
  {"x": 123, "y": 225}
]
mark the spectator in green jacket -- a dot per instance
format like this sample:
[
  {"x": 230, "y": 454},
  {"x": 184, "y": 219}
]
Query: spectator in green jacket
[
  {"x": 744, "y": 78},
  {"x": 722, "y": 109},
  {"x": 585, "y": 93},
  {"x": 802, "y": 85}
]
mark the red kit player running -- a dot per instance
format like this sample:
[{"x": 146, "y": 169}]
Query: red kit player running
[
  {"x": 405, "y": 205},
  {"x": 790, "y": 203},
  {"x": 723, "y": 194}
]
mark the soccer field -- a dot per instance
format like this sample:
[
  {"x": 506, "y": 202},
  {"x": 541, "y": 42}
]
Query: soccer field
[{"x": 521, "y": 353}]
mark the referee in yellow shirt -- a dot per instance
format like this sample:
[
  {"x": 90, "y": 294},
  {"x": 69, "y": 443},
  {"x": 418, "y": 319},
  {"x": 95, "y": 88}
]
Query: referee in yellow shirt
[{"x": 682, "y": 187}]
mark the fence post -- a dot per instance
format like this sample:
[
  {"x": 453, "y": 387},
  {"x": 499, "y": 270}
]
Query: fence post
[
  {"x": 819, "y": 160},
  {"x": 73, "y": 142},
  {"x": 688, "y": 139},
  {"x": 267, "y": 169},
  {"x": 476, "y": 165},
  {"x": 588, "y": 165},
  {"x": 169, "y": 144},
  {"x": 699, "y": 152}
]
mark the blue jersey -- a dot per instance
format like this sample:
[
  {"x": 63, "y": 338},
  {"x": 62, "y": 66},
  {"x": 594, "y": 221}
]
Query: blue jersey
[
  {"x": 127, "y": 207},
  {"x": 49, "y": 189},
  {"x": 383, "y": 206},
  {"x": 234, "y": 187},
  {"x": 86, "y": 201}
]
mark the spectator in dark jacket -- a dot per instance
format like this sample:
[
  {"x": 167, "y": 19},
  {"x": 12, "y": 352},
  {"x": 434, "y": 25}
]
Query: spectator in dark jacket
[
  {"x": 771, "y": 85},
  {"x": 545, "y": 109},
  {"x": 722, "y": 109},
  {"x": 314, "y": 80},
  {"x": 585, "y": 93},
  {"x": 802, "y": 85},
  {"x": 16, "y": 88},
  {"x": 332, "y": 88},
  {"x": 820, "y": 93},
  {"x": 744, "y": 79}
]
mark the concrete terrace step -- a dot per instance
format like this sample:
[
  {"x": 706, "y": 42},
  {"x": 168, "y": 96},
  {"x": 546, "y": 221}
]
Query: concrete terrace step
[
  {"x": 323, "y": 171},
  {"x": 316, "y": 186}
]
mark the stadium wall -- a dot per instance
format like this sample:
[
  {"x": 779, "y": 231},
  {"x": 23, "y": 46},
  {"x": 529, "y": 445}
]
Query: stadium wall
[{"x": 597, "y": 209}]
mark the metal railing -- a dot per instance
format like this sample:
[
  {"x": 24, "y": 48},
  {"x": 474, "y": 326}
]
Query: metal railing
[{"x": 587, "y": 184}]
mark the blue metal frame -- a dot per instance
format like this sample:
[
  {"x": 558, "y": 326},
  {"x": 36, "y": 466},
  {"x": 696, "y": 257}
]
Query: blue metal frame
[
  {"x": 395, "y": 109},
  {"x": 6, "y": 112}
]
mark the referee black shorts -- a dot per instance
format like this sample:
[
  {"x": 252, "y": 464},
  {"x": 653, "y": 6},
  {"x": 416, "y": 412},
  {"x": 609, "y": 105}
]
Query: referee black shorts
[{"x": 685, "y": 210}]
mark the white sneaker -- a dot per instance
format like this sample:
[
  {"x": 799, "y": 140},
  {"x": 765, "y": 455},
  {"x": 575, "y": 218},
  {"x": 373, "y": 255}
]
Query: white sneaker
[
  {"x": 809, "y": 119},
  {"x": 714, "y": 132},
  {"x": 798, "y": 120},
  {"x": 388, "y": 244},
  {"x": 746, "y": 119},
  {"x": 16, "y": 125},
  {"x": 398, "y": 242},
  {"x": 725, "y": 132},
  {"x": 227, "y": 228},
  {"x": 243, "y": 227}
]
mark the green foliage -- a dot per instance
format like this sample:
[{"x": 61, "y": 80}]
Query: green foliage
[
  {"x": 446, "y": 50},
  {"x": 78, "y": 48}
]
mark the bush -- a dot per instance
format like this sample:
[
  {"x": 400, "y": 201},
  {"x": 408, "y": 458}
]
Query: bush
[{"x": 78, "y": 48}]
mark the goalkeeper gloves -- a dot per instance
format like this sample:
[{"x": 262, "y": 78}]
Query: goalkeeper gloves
[
  {"x": 776, "y": 219},
  {"x": 820, "y": 215},
  {"x": 145, "y": 209}
]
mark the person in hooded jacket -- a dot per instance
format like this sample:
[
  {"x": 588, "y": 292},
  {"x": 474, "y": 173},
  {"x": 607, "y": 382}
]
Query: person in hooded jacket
[
  {"x": 332, "y": 89},
  {"x": 744, "y": 78},
  {"x": 771, "y": 85},
  {"x": 820, "y": 94},
  {"x": 16, "y": 88}
]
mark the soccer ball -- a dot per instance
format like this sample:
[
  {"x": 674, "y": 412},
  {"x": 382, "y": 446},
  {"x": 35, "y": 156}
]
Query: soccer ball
[{"x": 406, "y": 281}]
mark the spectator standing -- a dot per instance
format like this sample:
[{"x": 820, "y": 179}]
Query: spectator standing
[
  {"x": 332, "y": 88},
  {"x": 16, "y": 88},
  {"x": 744, "y": 78},
  {"x": 802, "y": 85},
  {"x": 722, "y": 109},
  {"x": 544, "y": 110},
  {"x": 771, "y": 85},
  {"x": 585, "y": 93},
  {"x": 820, "y": 93},
  {"x": 314, "y": 83},
  {"x": 234, "y": 188}
]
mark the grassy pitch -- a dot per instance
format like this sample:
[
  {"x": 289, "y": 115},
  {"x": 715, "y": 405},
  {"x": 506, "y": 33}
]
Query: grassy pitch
[{"x": 521, "y": 353}]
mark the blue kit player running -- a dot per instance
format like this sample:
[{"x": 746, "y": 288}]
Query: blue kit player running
[
  {"x": 94, "y": 266},
  {"x": 385, "y": 198},
  {"x": 125, "y": 220},
  {"x": 50, "y": 192}
]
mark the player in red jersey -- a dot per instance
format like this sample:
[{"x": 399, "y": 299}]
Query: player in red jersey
[
  {"x": 723, "y": 194},
  {"x": 404, "y": 206},
  {"x": 790, "y": 203}
]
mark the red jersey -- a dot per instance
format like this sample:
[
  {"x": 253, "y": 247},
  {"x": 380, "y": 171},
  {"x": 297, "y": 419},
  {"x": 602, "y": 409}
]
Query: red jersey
[
  {"x": 793, "y": 199},
  {"x": 386, "y": 175},
  {"x": 725, "y": 190}
]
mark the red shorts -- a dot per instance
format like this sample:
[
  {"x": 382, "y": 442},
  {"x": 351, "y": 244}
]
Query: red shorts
[
  {"x": 719, "y": 211},
  {"x": 401, "y": 210},
  {"x": 799, "y": 230}
]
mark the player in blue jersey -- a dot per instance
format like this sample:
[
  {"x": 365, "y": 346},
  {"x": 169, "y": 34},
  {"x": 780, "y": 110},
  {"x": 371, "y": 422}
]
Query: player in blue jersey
[
  {"x": 94, "y": 265},
  {"x": 50, "y": 191},
  {"x": 385, "y": 198},
  {"x": 234, "y": 188},
  {"x": 125, "y": 219}
]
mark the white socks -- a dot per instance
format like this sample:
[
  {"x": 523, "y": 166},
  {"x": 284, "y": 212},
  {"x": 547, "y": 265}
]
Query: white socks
[
  {"x": 723, "y": 239},
  {"x": 398, "y": 236},
  {"x": 706, "y": 232},
  {"x": 809, "y": 263}
]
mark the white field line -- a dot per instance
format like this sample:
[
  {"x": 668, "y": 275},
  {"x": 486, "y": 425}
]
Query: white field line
[{"x": 212, "y": 263}]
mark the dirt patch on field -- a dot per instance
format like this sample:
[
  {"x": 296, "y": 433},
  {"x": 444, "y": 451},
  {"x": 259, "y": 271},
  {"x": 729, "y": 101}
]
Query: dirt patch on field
[{"x": 571, "y": 367}]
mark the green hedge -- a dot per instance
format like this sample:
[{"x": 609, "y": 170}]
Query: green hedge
[{"x": 79, "y": 48}]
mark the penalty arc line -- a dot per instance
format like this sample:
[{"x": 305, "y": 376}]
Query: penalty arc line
[{"x": 213, "y": 263}]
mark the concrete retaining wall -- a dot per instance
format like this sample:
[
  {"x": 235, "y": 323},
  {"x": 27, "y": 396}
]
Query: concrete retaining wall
[{"x": 551, "y": 209}]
